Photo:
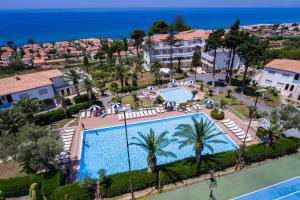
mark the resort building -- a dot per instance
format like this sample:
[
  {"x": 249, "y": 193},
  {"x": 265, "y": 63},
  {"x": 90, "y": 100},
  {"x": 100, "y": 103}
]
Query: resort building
[
  {"x": 284, "y": 75},
  {"x": 184, "y": 50},
  {"x": 44, "y": 86}
]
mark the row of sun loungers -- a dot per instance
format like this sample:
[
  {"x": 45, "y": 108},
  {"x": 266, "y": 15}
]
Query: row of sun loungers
[
  {"x": 67, "y": 137},
  {"x": 236, "y": 130},
  {"x": 141, "y": 113},
  {"x": 85, "y": 114}
]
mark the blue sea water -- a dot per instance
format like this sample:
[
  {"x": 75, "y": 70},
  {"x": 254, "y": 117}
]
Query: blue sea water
[
  {"x": 106, "y": 148},
  {"x": 62, "y": 24}
]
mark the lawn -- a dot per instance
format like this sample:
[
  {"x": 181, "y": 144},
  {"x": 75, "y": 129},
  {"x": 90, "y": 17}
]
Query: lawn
[
  {"x": 239, "y": 183},
  {"x": 10, "y": 169},
  {"x": 223, "y": 96},
  {"x": 61, "y": 123},
  {"x": 144, "y": 102},
  {"x": 242, "y": 110}
]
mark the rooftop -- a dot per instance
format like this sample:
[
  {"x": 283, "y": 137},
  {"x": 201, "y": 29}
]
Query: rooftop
[
  {"x": 24, "y": 82},
  {"x": 185, "y": 35},
  {"x": 285, "y": 64}
]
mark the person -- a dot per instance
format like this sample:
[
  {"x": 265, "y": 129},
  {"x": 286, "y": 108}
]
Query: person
[{"x": 82, "y": 126}]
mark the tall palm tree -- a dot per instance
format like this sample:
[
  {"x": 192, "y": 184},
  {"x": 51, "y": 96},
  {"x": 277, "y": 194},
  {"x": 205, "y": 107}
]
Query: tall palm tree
[
  {"x": 27, "y": 106},
  {"x": 135, "y": 99},
  {"x": 196, "y": 61},
  {"x": 117, "y": 46},
  {"x": 201, "y": 134},
  {"x": 149, "y": 45},
  {"x": 214, "y": 41},
  {"x": 138, "y": 37},
  {"x": 125, "y": 47},
  {"x": 120, "y": 72},
  {"x": 179, "y": 59},
  {"x": 194, "y": 93},
  {"x": 231, "y": 41},
  {"x": 74, "y": 77},
  {"x": 153, "y": 145},
  {"x": 271, "y": 132},
  {"x": 88, "y": 86},
  {"x": 252, "y": 51},
  {"x": 172, "y": 42}
]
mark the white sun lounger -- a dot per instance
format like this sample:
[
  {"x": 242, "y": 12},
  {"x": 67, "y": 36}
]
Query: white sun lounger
[
  {"x": 108, "y": 111},
  {"x": 162, "y": 110},
  {"x": 229, "y": 123},
  {"x": 237, "y": 130},
  {"x": 127, "y": 115},
  {"x": 188, "y": 109},
  {"x": 141, "y": 113},
  {"x": 130, "y": 115},
  {"x": 67, "y": 140},
  {"x": 225, "y": 121},
  {"x": 68, "y": 143},
  {"x": 249, "y": 139},
  {"x": 66, "y": 136},
  {"x": 120, "y": 117},
  {"x": 146, "y": 113},
  {"x": 234, "y": 128},
  {"x": 68, "y": 130},
  {"x": 88, "y": 113},
  {"x": 243, "y": 137},
  {"x": 138, "y": 114},
  {"x": 134, "y": 115},
  {"x": 153, "y": 112},
  {"x": 240, "y": 133},
  {"x": 230, "y": 126},
  {"x": 149, "y": 112},
  {"x": 157, "y": 109},
  {"x": 195, "y": 107},
  {"x": 82, "y": 114}
]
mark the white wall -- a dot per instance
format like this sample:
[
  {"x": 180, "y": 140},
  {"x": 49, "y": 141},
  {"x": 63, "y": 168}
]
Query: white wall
[{"x": 34, "y": 93}]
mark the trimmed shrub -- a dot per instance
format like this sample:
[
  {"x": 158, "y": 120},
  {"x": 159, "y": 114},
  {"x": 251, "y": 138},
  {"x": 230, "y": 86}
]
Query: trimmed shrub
[
  {"x": 215, "y": 114},
  {"x": 72, "y": 192},
  {"x": 49, "y": 117},
  {"x": 19, "y": 186},
  {"x": 81, "y": 98},
  {"x": 76, "y": 108}
]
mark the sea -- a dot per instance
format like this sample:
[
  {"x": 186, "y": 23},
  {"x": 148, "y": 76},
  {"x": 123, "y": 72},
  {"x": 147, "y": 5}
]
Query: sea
[{"x": 48, "y": 25}]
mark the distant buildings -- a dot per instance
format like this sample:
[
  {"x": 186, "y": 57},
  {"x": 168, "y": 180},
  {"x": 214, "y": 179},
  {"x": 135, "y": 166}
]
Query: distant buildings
[
  {"x": 284, "y": 75},
  {"x": 44, "y": 86},
  {"x": 189, "y": 41}
]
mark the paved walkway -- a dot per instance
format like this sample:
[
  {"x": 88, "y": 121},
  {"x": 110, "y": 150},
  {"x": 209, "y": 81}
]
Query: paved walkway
[{"x": 239, "y": 183}]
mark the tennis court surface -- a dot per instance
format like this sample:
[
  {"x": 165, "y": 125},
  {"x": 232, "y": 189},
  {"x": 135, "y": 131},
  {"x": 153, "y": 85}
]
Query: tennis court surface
[{"x": 286, "y": 190}]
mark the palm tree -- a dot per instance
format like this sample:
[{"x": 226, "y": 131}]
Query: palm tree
[
  {"x": 10, "y": 121},
  {"x": 64, "y": 104},
  {"x": 153, "y": 145},
  {"x": 196, "y": 61},
  {"x": 74, "y": 77},
  {"x": 179, "y": 59},
  {"x": 271, "y": 132},
  {"x": 86, "y": 63},
  {"x": 138, "y": 37},
  {"x": 214, "y": 41},
  {"x": 135, "y": 99},
  {"x": 101, "y": 181},
  {"x": 149, "y": 45},
  {"x": 120, "y": 72},
  {"x": 101, "y": 86},
  {"x": 88, "y": 86},
  {"x": 27, "y": 107},
  {"x": 194, "y": 93},
  {"x": 117, "y": 46},
  {"x": 232, "y": 41},
  {"x": 252, "y": 51},
  {"x": 172, "y": 41},
  {"x": 201, "y": 134}
]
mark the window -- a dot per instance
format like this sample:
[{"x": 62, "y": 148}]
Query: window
[
  {"x": 43, "y": 91},
  {"x": 68, "y": 91},
  {"x": 296, "y": 76},
  {"x": 285, "y": 74},
  {"x": 286, "y": 87},
  {"x": 271, "y": 72},
  {"x": 280, "y": 85},
  {"x": 268, "y": 81},
  {"x": 23, "y": 95},
  {"x": 292, "y": 88}
]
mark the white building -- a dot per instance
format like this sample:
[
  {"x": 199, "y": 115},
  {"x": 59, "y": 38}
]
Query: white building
[
  {"x": 189, "y": 41},
  {"x": 284, "y": 75},
  {"x": 45, "y": 85}
]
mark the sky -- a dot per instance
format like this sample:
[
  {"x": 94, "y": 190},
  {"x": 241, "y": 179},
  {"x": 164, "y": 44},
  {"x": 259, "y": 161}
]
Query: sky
[{"x": 27, "y": 4}]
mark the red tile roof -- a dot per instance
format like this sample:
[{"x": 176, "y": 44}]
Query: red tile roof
[
  {"x": 185, "y": 35},
  {"x": 285, "y": 64}
]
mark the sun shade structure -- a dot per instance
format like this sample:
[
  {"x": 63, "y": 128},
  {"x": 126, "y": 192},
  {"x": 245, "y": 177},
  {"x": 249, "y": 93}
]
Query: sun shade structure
[{"x": 95, "y": 107}]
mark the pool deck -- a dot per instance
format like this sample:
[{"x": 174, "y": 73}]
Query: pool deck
[{"x": 112, "y": 120}]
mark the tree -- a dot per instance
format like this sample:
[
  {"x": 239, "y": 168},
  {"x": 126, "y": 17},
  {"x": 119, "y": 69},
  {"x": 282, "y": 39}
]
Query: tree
[
  {"x": 214, "y": 41},
  {"x": 134, "y": 80},
  {"x": 88, "y": 86},
  {"x": 120, "y": 72},
  {"x": 117, "y": 46},
  {"x": 125, "y": 47},
  {"x": 27, "y": 106},
  {"x": 64, "y": 104},
  {"x": 194, "y": 93},
  {"x": 149, "y": 46},
  {"x": 10, "y": 43},
  {"x": 196, "y": 60},
  {"x": 135, "y": 99},
  {"x": 10, "y": 122},
  {"x": 35, "y": 192},
  {"x": 232, "y": 41},
  {"x": 101, "y": 86},
  {"x": 114, "y": 88},
  {"x": 201, "y": 135},
  {"x": 37, "y": 148},
  {"x": 252, "y": 51},
  {"x": 86, "y": 63},
  {"x": 138, "y": 37},
  {"x": 101, "y": 181},
  {"x": 172, "y": 41},
  {"x": 100, "y": 55},
  {"x": 31, "y": 41},
  {"x": 74, "y": 77},
  {"x": 2, "y": 197},
  {"x": 153, "y": 145},
  {"x": 179, "y": 24},
  {"x": 271, "y": 132},
  {"x": 159, "y": 27},
  {"x": 179, "y": 59}
]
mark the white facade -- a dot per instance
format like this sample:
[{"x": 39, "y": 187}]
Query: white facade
[
  {"x": 288, "y": 83},
  {"x": 185, "y": 50}
]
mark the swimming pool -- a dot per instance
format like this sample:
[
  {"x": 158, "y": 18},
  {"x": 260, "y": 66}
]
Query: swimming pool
[
  {"x": 106, "y": 147},
  {"x": 287, "y": 190},
  {"x": 179, "y": 95}
]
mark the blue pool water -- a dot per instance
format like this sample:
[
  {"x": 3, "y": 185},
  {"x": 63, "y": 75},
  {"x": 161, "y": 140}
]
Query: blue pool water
[
  {"x": 179, "y": 95},
  {"x": 106, "y": 147},
  {"x": 286, "y": 190}
]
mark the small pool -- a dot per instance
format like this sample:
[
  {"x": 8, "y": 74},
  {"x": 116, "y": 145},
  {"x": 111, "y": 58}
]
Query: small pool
[
  {"x": 106, "y": 147},
  {"x": 179, "y": 95}
]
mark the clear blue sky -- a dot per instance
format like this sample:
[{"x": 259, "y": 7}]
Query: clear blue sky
[{"x": 16, "y": 4}]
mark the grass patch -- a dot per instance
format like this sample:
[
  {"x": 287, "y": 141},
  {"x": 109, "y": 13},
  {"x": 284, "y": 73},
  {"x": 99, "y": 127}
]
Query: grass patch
[
  {"x": 242, "y": 109},
  {"x": 10, "y": 169},
  {"x": 144, "y": 102}
]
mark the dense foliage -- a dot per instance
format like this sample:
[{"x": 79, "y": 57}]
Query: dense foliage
[
  {"x": 72, "y": 192},
  {"x": 216, "y": 114}
]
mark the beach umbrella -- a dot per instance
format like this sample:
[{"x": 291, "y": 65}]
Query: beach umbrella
[
  {"x": 169, "y": 105},
  {"x": 116, "y": 106},
  {"x": 209, "y": 101},
  {"x": 151, "y": 88},
  {"x": 95, "y": 107},
  {"x": 191, "y": 82},
  {"x": 173, "y": 81}
]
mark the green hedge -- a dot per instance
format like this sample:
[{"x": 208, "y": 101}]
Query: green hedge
[
  {"x": 73, "y": 192},
  {"x": 19, "y": 186},
  {"x": 184, "y": 169},
  {"x": 215, "y": 114}
]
